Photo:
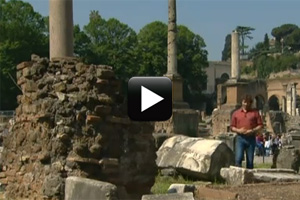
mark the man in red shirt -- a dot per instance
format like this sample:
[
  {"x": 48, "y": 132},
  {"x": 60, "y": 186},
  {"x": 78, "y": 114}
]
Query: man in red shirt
[{"x": 245, "y": 122}]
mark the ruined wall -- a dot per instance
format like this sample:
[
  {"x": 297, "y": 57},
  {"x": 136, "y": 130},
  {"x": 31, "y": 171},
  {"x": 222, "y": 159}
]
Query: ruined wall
[
  {"x": 72, "y": 121},
  {"x": 275, "y": 87},
  {"x": 183, "y": 121}
]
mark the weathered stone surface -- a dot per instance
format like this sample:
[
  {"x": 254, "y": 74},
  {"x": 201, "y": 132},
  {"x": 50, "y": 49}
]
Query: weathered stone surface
[
  {"x": 229, "y": 139},
  {"x": 177, "y": 196},
  {"x": 236, "y": 175},
  {"x": 240, "y": 176},
  {"x": 67, "y": 125},
  {"x": 181, "y": 188},
  {"x": 103, "y": 110},
  {"x": 104, "y": 73},
  {"x": 183, "y": 122},
  {"x": 82, "y": 188},
  {"x": 196, "y": 157},
  {"x": 289, "y": 158},
  {"x": 30, "y": 86},
  {"x": 23, "y": 65},
  {"x": 59, "y": 87},
  {"x": 52, "y": 185},
  {"x": 205, "y": 193}
]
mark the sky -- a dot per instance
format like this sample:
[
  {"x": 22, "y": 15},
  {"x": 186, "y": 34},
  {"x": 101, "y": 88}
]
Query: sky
[{"x": 211, "y": 19}]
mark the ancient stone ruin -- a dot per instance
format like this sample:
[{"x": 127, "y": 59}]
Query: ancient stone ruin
[{"x": 72, "y": 121}]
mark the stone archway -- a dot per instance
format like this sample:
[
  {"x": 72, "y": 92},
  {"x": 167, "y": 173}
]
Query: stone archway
[
  {"x": 224, "y": 76},
  {"x": 273, "y": 102}
]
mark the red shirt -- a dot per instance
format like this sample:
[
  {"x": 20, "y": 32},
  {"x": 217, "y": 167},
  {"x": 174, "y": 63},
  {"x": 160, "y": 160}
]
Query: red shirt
[{"x": 249, "y": 119}]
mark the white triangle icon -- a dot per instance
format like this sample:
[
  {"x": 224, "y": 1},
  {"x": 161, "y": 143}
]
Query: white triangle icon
[{"x": 149, "y": 98}]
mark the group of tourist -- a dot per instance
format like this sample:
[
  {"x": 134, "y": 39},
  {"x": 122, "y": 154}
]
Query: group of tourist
[{"x": 267, "y": 144}]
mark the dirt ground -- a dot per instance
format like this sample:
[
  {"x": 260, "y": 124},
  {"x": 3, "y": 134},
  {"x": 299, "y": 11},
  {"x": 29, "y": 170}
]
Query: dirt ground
[{"x": 264, "y": 191}]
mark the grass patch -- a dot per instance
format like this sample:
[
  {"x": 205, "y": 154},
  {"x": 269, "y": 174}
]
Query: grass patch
[
  {"x": 162, "y": 183},
  {"x": 259, "y": 165},
  {"x": 263, "y": 165}
]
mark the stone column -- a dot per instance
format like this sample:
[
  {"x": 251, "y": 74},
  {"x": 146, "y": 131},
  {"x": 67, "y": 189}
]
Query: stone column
[
  {"x": 289, "y": 100},
  {"x": 61, "y": 28},
  {"x": 172, "y": 58},
  {"x": 235, "y": 56},
  {"x": 172, "y": 34},
  {"x": 284, "y": 98},
  {"x": 294, "y": 99}
]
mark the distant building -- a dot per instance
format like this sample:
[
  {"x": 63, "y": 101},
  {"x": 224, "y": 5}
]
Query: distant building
[
  {"x": 272, "y": 43},
  {"x": 217, "y": 72}
]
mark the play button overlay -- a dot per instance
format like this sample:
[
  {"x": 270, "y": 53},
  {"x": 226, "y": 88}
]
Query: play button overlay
[{"x": 149, "y": 98}]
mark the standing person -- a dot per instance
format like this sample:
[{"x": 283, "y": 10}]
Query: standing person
[
  {"x": 246, "y": 122},
  {"x": 260, "y": 144}
]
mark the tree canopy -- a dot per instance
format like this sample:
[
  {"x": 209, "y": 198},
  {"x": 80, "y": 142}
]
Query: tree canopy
[
  {"x": 102, "y": 41},
  {"x": 22, "y": 33},
  {"x": 152, "y": 48},
  {"x": 226, "y": 53},
  {"x": 110, "y": 42},
  {"x": 245, "y": 32},
  {"x": 191, "y": 56},
  {"x": 283, "y": 31}
]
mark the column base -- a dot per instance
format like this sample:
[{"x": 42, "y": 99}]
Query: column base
[
  {"x": 176, "y": 87},
  {"x": 180, "y": 105},
  {"x": 232, "y": 80}
]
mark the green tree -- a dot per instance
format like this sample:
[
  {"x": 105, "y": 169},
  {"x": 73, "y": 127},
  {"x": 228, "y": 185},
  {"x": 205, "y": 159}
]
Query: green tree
[
  {"x": 112, "y": 43},
  {"x": 152, "y": 48},
  {"x": 192, "y": 58},
  {"x": 245, "y": 32},
  {"x": 293, "y": 40},
  {"x": 22, "y": 33},
  {"x": 280, "y": 33},
  {"x": 226, "y": 53},
  {"x": 283, "y": 31},
  {"x": 261, "y": 48},
  {"x": 191, "y": 55},
  {"x": 82, "y": 44},
  {"x": 258, "y": 50},
  {"x": 264, "y": 66},
  {"x": 266, "y": 42}
]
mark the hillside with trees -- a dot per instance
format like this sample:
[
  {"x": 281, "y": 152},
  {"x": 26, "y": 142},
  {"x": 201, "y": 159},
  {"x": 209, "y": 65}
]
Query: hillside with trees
[{"x": 270, "y": 56}]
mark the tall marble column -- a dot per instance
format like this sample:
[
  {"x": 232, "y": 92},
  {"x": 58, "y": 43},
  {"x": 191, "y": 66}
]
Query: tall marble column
[
  {"x": 172, "y": 73},
  {"x": 61, "y": 28},
  {"x": 294, "y": 99},
  {"x": 289, "y": 100},
  {"x": 284, "y": 98},
  {"x": 235, "y": 56},
  {"x": 172, "y": 35}
]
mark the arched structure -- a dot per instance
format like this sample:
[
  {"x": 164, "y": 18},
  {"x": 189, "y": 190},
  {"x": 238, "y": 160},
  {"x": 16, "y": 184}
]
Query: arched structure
[
  {"x": 285, "y": 90},
  {"x": 225, "y": 76},
  {"x": 274, "y": 103}
]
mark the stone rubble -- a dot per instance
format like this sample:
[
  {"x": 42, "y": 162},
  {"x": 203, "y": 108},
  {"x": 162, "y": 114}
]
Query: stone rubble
[
  {"x": 240, "y": 176},
  {"x": 72, "y": 121}
]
